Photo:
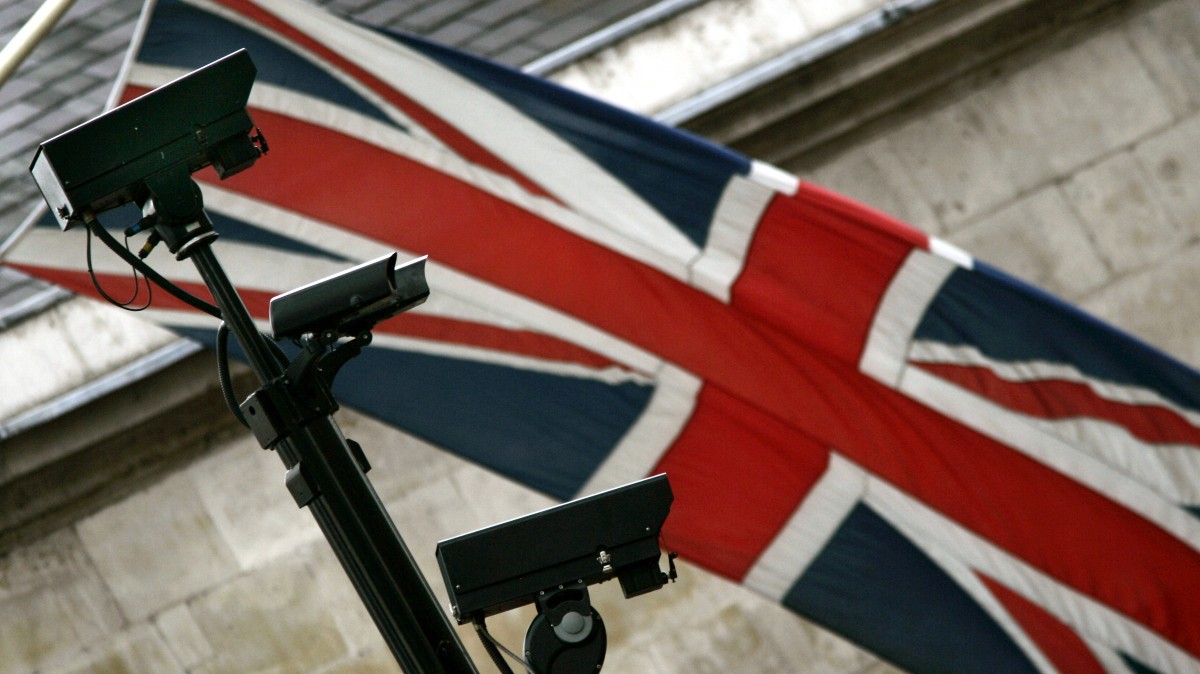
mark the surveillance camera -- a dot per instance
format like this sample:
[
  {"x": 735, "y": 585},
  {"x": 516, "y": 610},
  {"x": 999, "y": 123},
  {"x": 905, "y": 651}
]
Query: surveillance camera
[
  {"x": 612, "y": 534},
  {"x": 351, "y": 301},
  {"x": 195, "y": 121}
]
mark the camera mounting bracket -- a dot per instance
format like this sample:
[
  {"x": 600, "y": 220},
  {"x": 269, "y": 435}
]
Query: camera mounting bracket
[{"x": 304, "y": 391}]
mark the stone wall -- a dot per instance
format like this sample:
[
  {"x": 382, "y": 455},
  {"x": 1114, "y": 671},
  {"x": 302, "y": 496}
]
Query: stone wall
[{"x": 1074, "y": 163}]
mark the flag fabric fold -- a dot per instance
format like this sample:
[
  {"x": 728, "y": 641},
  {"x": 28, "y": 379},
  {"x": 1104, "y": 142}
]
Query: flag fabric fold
[{"x": 946, "y": 466}]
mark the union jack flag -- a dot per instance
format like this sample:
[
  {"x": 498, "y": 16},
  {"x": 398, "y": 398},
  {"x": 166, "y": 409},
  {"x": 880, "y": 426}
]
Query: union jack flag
[{"x": 948, "y": 467}]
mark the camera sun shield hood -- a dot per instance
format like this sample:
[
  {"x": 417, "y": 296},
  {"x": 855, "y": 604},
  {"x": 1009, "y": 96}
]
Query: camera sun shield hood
[
  {"x": 350, "y": 301},
  {"x": 195, "y": 121},
  {"x": 612, "y": 534}
]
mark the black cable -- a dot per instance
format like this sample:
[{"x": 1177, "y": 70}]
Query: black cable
[
  {"x": 137, "y": 285},
  {"x": 95, "y": 227},
  {"x": 490, "y": 646},
  {"x": 222, "y": 346},
  {"x": 223, "y": 378}
]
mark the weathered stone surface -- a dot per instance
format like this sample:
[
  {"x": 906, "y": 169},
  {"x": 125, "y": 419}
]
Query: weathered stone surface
[
  {"x": 243, "y": 492},
  {"x": 183, "y": 636},
  {"x": 157, "y": 547},
  {"x": 874, "y": 173},
  {"x": 1115, "y": 200},
  {"x": 950, "y": 157},
  {"x": 137, "y": 650},
  {"x": 1062, "y": 111},
  {"x": 216, "y": 570},
  {"x": 1159, "y": 304},
  {"x": 272, "y": 619},
  {"x": 1167, "y": 38},
  {"x": 1039, "y": 239},
  {"x": 1172, "y": 163},
  {"x": 367, "y": 662},
  {"x": 716, "y": 627},
  {"x": 342, "y": 608},
  {"x": 1034, "y": 126},
  {"x": 52, "y": 604}
]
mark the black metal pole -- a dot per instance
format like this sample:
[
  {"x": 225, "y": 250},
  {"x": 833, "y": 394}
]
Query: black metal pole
[{"x": 349, "y": 512}]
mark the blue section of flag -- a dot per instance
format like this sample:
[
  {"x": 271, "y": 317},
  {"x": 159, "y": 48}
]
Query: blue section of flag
[
  {"x": 874, "y": 586},
  {"x": 644, "y": 155},
  {"x": 169, "y": 42},
  {"x": 547, "y": 431},
  {"x": 1012, "y": 321}
]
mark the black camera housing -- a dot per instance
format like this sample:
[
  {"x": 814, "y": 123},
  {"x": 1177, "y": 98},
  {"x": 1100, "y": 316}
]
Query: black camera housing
[
  {"x": 351, "y": 301},
  {"x": 612, "y": 534},
  {"x": 195, "y": 121}
]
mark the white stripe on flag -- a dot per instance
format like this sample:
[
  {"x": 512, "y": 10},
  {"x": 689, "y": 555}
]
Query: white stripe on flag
[
  {"x": 736, "y": 218},
  {"x": 527, "y": 146},
  {"x": 1014, "y": 430},
  {"x": 925, "y": 351},
  {"x": 643, "y": 445},
  {"x": 914, "y": 286},
  {"x": 970, "y": 583},
  {"x": 809, "y": 529}
]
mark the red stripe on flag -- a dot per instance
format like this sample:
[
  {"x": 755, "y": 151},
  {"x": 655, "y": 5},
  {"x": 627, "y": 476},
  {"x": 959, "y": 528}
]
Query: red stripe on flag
[
  {"x": 1057, "y": 641},
  {"x": 738, "y": 474},
  {"x": 843, "y": 257},
  {"x": 1059, "y": 399}
]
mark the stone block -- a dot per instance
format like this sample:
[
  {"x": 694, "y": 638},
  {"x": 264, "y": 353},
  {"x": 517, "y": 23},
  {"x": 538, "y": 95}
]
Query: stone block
[
  {"x": 1039, "y": 239},
  {"x": 875, "y": 174},
  {"x": 1172, "y": 161},
  {"x": 52, "y": 604},
  {"x": 183, "y": 636},
  {"x": 41, "y": 361},
  {"x": 1158, "y": 304},
  {"x": 272, "y": 619},
  {"x": 951, "y": 159},
  {"x": 1066, "y": 110},
  {"x": 136, "y": 651},
  {"x": 243, "y": 491},
  {"x": 342, "y": 606},
  {"x": 1116, "y": 201},
  {"x": 1032, "y": 127},
  {"x": 492, "y": 498},
  {"x": 1167, "y": 38},
  {"x": 157, "y": 547}
]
